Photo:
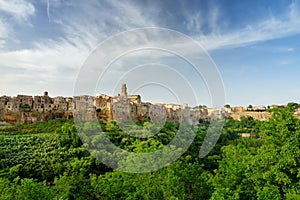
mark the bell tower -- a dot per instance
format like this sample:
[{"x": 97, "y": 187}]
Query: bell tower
[{"x": 124, "y": 90}]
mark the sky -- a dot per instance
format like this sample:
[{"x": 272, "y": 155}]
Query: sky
[{"x": 254, "y": 46}]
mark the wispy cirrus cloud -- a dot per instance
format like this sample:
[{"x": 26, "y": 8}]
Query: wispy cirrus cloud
[
  {"x": 13, "y": 11},
  {"x": 19, "y": 9},
  {"x": 4, "y": 32},
  {"x": 78, "y": 27},
  {"x": 60, "y": 57},
  {"x": 267, "y": 29}
]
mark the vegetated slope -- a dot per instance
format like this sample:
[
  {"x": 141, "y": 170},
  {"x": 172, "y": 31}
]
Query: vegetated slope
[{"x": 48, "y": 160}]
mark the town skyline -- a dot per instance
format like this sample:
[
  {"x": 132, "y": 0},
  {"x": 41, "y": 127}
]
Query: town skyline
[
  {"x": 46, "y": 93},
  {"x": 26, "y": 109}
]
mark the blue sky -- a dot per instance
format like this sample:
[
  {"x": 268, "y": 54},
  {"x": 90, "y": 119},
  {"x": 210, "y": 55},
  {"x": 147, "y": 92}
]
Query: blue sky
[{"x": 255, "y": 44}]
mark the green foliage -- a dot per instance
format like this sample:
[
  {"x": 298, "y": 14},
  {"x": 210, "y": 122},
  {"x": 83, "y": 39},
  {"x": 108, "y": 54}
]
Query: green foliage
[
  {"x": 25, "y": 106},
  {"x": 271, "y": 171},
  {"x": 25, "y": 189},
  {"x": 171, "y": 182},
  {"x": 37, "y": 128},
  {"x": 292, "y": 106},
  {"x": 67, "y": 136},
  {"x": 201, "y": 106},
  {"x": 270, "y": 192},
  {"x": 48, "y": 160},
  {"x": 226, "y": 106}
]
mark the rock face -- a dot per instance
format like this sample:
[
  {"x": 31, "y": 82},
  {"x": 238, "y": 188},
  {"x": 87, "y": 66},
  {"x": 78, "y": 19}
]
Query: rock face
[
  {"x": 10, "y": 117},
  {"x": 256, "y": 115},
  {"x": 30, "y": 117}
]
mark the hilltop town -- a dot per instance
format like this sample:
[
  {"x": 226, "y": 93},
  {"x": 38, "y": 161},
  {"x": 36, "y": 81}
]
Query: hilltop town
[{"x": 27, "y": 109}]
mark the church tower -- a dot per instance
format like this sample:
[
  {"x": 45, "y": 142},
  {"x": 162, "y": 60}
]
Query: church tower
[{"x": 124, "y": 90}]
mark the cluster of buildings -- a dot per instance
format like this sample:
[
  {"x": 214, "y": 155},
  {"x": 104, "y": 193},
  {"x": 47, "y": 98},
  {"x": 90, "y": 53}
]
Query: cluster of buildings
[
  {"x": 29, "y": 109},
  {"x": 37, "y": 103},
  {"x": 123, "y": 107}
]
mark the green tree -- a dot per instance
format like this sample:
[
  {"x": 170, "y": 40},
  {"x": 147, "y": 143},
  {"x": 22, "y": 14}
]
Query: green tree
[
  {"x": 67, "y": 136},
  {"x": 292, "y": 106},
  {"x": 271, "y": 171},
  {"x": 279, "y": 157},
  {"x": 227, "y": 106}
]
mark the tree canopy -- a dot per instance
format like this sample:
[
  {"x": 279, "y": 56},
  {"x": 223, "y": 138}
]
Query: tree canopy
[{"x": 50, "y": 160}]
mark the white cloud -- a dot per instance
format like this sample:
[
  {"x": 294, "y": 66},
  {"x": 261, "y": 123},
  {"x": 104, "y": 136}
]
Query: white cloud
[
  {"x": 213, "y": 20},
  {"x": 4, "y": 32},
  {"x": 53, "y": 67},
  {"x": 19, "y": 9},
  {"x": 3, "y": 29},
  {"x": 88, "y": 24},
  {"x": 272, "y": 28},
  {"x": 193, "y": 22},
  {"x": 44, "y": 58},
  {"x": 48, "y": 10},
  {"x": 53, "y": 61}
]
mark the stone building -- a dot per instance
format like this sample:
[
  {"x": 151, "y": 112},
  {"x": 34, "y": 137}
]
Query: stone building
[
  {"x": 47, "y": 102},
  {"x": 43, "y": 103},
  {"x": 124, "y": 90},
  {"x": 3, "y": 101},
  {"x": 143, "y": 111},
  {"x": 102, "y": 105},
  {"x": 135, "y": 99},
  {"x": 157, "y": 113},
  {"x": 83, "y": 107},
  {"x": 60, "y": 103},
  {"x": 37, "y": 105},
  {"x": 13, "y": 104},
  {"x": 238, "y": 109},
  {"x": 25, "y": 101},
  {"x": 123, "y": 107}
]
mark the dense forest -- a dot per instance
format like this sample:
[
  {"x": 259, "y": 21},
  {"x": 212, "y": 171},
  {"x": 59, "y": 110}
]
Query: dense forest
[{"x": 47, "y": 160}]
